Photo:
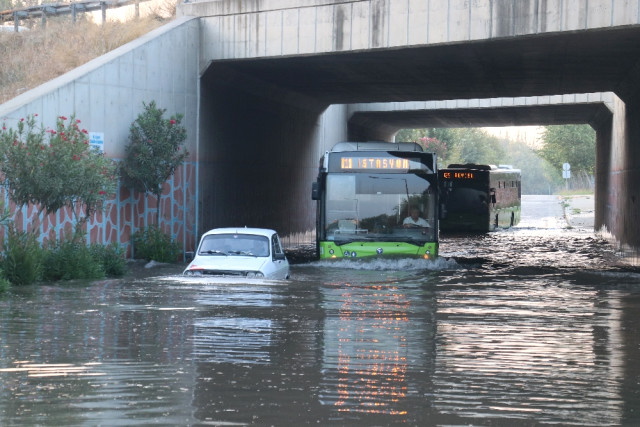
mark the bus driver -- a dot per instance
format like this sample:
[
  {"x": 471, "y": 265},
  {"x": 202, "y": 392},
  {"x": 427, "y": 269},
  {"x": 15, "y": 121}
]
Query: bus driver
[{"x": 414, "y": 219}]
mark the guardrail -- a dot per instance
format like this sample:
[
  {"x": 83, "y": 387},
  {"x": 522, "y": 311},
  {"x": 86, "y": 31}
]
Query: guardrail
[{"x": 55, "y": 9}]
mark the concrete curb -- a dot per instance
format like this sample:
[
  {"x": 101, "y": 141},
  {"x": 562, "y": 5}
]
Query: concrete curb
[{"x": 579, "y": 211}]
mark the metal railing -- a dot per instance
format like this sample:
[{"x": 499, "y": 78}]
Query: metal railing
[{"x": 55, "y": 9}]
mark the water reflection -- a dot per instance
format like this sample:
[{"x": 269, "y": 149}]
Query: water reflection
[
  {"x": 520, "y": 327},
  {"x": 379, "y": 346},
  {"x": 522, "y": 349},
  {"x": 91, "y": 354},
  {"x": 256, "y": 352}
]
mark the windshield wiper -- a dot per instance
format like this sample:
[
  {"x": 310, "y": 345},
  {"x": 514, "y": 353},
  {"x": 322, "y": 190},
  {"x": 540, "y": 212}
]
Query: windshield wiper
[
  {"x": 246, "y": 253},
  {"x": 212, "y": 252}
]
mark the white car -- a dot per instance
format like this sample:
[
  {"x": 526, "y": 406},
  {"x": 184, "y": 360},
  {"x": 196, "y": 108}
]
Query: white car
[{"x": 240, "y": 252}]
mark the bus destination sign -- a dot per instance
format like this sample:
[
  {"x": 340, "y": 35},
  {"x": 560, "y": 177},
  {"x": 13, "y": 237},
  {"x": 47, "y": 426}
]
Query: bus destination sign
[
  {"x": 379, "y": 163},
  {"x": 458, "y": 175}
]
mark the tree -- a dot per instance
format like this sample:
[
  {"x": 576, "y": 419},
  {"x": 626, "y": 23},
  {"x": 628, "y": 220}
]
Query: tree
[
  {"x": 538, "y": 176},
  {"x": 434, "y": 145},
  {"x": 411, "y": 135},
  {"x": 474, "y": 145},
  {"x": 6, "y": 5},
  {"x": 573, "y": 144},
  {"x": 154, "y": 151},
  {"x": 457, "y": 145},
  {"x": 55, "y": 168}
]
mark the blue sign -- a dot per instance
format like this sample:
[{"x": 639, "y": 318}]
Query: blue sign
[{"x": 96, "y": 139}]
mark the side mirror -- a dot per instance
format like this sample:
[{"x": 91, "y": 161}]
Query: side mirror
[
  {"x": 315, "y": 191},
  {"x": 443, "y": 211},
  {"x": 280, "y": 257}
]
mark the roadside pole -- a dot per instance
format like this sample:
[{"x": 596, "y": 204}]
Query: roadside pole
[{"x": 566, "y": 174}]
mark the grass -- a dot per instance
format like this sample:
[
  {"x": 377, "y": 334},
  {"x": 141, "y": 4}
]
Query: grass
[
  {"x": 152, "y": 244},
  {"x": 31, "y": 58},
  {"x": 576, "y": 192}
]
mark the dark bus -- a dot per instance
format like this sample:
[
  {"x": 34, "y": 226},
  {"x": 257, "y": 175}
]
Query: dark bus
[
  {"x": 479, "y": 198},
  {"x": 376, "y": 199}
]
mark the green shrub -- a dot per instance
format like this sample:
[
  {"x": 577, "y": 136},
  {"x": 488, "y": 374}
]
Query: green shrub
[
  {"x": 22, "y": 260},
  {"x": 71, "y": 259},
  {"x": 152, "y": 244},
  {"x": 4, "y": 283},
  {"x": 111, "y": 257},
  {"x": 154, "y": 152}
]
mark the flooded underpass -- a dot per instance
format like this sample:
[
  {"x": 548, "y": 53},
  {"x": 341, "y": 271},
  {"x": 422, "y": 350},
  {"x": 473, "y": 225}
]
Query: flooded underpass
[{"x": 528, "y": 326}]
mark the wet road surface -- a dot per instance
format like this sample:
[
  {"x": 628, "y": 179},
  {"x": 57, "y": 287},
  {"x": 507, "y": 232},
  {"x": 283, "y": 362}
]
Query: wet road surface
[{"x": 534, "y": 325}]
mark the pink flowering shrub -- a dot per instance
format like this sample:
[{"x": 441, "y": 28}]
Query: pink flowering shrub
[
  {"x": 434, "y": 145},
  {"x": 55, "y": 168}
]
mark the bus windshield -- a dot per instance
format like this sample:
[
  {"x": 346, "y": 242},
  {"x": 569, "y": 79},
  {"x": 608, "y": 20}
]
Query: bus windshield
[
  {"x": 469, "y": 198},
  {"x": 380, "y": 207}
]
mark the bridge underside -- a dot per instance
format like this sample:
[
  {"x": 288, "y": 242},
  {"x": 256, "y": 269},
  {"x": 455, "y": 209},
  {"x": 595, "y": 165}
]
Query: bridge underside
[
  {"x": 256, "y": 159},
  {"x": 382, "y": 125},
  {"x": 261, "y": 130},
  {"x": 548, "y": 64}
]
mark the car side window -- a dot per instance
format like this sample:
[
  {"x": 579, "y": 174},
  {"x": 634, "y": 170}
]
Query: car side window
[{"x": 275, "y": 245}]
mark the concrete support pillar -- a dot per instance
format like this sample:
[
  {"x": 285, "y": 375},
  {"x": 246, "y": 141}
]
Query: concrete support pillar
[
  {"x": 361, "y": 134},
  {"x": 631, "y": 183},
  {"x": 618, "y": 177},
  {"x": 361, "y": 130},
  {"x": 604, "y": 136},
  {"x": 258, "y": 155}
]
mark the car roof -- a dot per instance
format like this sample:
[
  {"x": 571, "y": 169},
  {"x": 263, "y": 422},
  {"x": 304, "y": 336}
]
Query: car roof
[{"x": 242, "y": 230}]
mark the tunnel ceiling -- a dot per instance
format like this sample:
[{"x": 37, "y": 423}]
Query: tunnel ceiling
[
  {"x": 528, "y": 115},
  {"x": 549, "y": 64}
]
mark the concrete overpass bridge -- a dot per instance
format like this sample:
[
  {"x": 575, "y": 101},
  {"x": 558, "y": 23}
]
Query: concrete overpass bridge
[
  {"x": 267, "y": 86},
  {"x": 382, "y": 120}
]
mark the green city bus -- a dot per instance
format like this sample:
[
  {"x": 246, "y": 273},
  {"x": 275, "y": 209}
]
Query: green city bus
[{"x": 376, "y": 199}]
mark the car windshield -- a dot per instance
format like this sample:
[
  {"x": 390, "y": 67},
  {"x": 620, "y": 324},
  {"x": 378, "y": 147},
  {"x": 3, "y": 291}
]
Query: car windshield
[
  {"x": 235, "y": 244},
  {"x": 384, "y": 207}
]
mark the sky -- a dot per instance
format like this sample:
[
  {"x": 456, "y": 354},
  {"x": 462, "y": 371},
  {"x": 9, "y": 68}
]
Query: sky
[{"x": 527, "y": 134}]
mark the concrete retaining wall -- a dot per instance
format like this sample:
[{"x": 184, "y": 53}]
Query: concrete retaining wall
[{"x": 106, "y": 94}]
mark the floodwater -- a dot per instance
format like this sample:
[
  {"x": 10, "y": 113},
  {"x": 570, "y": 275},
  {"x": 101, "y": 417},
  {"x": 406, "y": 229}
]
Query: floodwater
[{"x": 534, "y": 325}]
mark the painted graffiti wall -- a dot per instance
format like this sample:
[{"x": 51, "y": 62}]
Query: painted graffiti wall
[{"x": 120, "y": 217}]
